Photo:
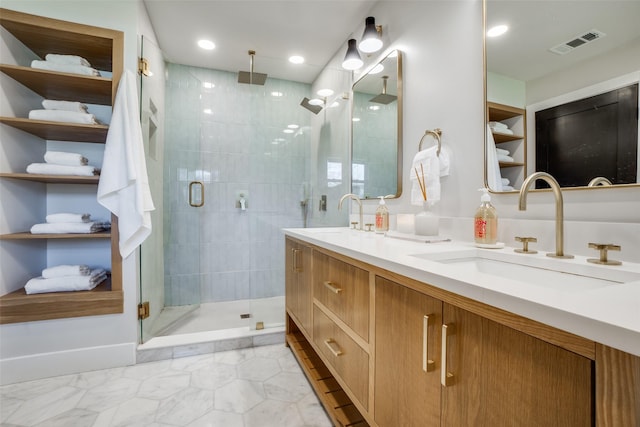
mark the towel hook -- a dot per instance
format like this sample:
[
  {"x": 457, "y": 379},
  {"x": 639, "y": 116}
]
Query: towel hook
[{"x": 436, "y": 133}]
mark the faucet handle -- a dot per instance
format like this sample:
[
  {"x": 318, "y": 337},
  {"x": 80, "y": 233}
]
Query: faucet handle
[
  {"x": 369, "y": 227},
  {"x": 353, "y": 225},
  {"x": 603, "y": 248},
  {"x": 525, "y": 245}
]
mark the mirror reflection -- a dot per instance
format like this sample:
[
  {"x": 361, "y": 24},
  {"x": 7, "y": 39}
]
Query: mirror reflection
[
  {"x": 376, "y": 157},
  {"x": 562, "y": 92}
]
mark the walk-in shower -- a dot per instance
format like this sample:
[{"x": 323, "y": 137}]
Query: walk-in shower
[{"x": 214, "y": 263}]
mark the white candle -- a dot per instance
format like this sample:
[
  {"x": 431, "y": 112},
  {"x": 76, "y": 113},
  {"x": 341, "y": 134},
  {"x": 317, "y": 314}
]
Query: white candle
[{"x": 406, "y": 223}]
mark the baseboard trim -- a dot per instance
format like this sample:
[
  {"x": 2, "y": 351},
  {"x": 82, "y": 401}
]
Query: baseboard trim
[{"x": 45, "y": 365}]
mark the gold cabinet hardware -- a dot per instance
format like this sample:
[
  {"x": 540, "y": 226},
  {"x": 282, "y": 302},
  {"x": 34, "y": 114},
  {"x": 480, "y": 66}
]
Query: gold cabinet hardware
[
  {"x": 428, "y": 365},
  {"x": 446, "y": 378},
  {"x": 199, "y": 203},
  {"x": 143, "y": 310},
  {"x": 603, "y": 248},
  {"x": 332, "y": 287},
  {"x": 525, "y": 245},
  {"x": 294, "y": 255},
  {"x": 333, "y": 347}
]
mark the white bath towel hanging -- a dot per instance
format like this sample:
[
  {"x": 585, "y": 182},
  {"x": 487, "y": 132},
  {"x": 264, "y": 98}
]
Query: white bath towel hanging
[
  {"x": 494, "y": 178},
  {"x": 430, "y": 162},
  {"x": 124, "y": 184}
]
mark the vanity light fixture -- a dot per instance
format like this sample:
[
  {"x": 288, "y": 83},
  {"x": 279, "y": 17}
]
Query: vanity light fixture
[
  {"x": 371, "y": 37},
  {"x": 498, "y": 30},
  {"x": 352, "y": 60},
  {"x": 206, "y": 44}
]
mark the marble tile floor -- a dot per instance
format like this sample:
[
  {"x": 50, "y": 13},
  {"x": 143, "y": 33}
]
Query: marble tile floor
[{"x": 251, "y": 387}]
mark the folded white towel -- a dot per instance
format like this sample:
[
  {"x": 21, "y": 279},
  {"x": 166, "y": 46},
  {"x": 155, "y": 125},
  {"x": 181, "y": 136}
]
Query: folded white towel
[
  {"x": 504, "y": 158},
  {"x": 78, "y": 107},
  {"x": 63, "y": 116},
  {"x": 507, "y": 188},
  {"x": 494, "y": 181},
  {"x": 67, "y": 159},
  {"x": 67, "y": 59},
  {"x": 70, "y": 227},
  {"x": 498, "y": 125},
  {"x": 503, "y": 151},
  {"x": 124, "y": 186},
  {"x": 66, "y": 270},
  {"x": 39, "y": 285},
  {"x": 430, "y": 162},
  {"x": 51, "y": 169},
  {"x": 503, "y": 131},
  {"x": 505, "y": 181},
  {"x": 68, "y": 217},
  {"x": 65, "y": 68}
]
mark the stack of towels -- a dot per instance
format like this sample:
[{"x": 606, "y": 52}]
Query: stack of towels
[
  {"x": 504, "y": 155},
  {"x": 64, "y": 111},
  {"x": 500, "y": 128},
  {"x": 63, "y": 163},
  {"x": 64, "y": 278},
  {"x": 70, "y": 223},
  {"x": 66, "y": 64}
]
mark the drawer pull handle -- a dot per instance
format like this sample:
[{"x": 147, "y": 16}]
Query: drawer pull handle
[
  {"x": 428, "y": 365},
  {"x": 333, "y": 347},
  {"x": 294, "y": 255},
  {"x": 446, "y": 378},
  {"x": 332, "y": 287}
]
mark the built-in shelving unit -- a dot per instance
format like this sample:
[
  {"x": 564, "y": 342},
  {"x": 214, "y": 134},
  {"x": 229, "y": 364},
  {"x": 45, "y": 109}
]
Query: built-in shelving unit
[
  {"x": 516, "y": 143},
  {"x": 103, "y": 48}
]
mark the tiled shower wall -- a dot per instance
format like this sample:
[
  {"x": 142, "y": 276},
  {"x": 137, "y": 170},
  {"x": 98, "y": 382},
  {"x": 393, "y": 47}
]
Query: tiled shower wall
[{"x": 231, "y": 138}]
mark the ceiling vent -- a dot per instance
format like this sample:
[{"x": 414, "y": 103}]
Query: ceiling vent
[{"x": 580, "y": 40}]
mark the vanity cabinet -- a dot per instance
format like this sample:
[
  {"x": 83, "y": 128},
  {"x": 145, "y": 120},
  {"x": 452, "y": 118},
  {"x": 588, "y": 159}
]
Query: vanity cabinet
[
  {"x": 28, "y": 254},
  {"x": 516, "y": 143},
  {"x": 298, "y": 283}
]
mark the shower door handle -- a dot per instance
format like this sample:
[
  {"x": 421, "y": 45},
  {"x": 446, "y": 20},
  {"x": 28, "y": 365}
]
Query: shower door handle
[{"x": 196, "y": 200}]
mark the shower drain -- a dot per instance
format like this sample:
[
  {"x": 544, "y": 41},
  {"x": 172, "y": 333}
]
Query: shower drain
[{"x": 245, "y": 316}]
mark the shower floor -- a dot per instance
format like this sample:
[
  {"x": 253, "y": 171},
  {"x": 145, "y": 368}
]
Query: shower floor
[{"x": 222, "y": 315}]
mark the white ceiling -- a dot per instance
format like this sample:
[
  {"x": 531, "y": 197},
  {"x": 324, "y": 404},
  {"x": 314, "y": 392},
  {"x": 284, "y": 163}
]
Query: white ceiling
[
  {"x": 535, "y": 26},
  {"x": 315, "y": 29}
]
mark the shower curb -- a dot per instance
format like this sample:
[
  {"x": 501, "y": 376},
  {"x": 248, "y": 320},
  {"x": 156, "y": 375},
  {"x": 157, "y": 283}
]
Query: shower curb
[{"x": 165, "y": 352}]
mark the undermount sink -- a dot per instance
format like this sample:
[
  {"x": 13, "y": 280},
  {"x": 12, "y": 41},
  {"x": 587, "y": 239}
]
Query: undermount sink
[{"x": 562, "y": 275}]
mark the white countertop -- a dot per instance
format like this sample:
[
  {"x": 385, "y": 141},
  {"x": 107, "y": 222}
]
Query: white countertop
[{"x": 609, "y": 314}]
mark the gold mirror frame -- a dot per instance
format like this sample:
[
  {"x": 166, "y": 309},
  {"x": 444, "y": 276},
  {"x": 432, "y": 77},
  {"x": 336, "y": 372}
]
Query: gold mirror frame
[
  {"x": 486, "y": 120},
  {"x": 373, "y": 85}
]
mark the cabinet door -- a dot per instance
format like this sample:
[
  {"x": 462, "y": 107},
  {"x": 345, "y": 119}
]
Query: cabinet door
[
  {"x": 298, "y": 283},
  {"x": 502, "y": 377},
  {"x": 618, "y": 388},
  {"x": 407, "y": 362}
]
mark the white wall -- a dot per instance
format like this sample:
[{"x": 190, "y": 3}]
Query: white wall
[{"x": 45, "y": 348}]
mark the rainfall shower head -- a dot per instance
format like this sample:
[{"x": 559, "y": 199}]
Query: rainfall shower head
[
  {"x": 384, "y": 98},
  {"x": 315, "y": 109},
  {"x": 249, "y": 77}
]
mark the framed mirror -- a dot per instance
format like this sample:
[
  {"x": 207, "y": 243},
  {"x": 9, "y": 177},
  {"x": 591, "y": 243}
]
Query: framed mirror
[
  {"x": 573, "y": 57},
  {"x": 376, "y": 140}
]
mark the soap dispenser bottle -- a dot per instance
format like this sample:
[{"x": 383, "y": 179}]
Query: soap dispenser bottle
[
  {"x": 382, "y": 217},
  {"x": 486, "y": 221}
]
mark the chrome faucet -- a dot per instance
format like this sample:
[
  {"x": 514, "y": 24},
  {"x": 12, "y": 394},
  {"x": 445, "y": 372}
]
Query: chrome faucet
[
  {"x": 522, "y": 205},
  {"x": 357, "y": 199}
]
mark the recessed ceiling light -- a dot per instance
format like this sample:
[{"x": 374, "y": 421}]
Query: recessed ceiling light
[
  {"x": 293, "y": 126},
  {"x": 288, "y": 131},
  {"x": 276, "y": 94},
  {"x": 355, "y": 119},
  {"x": 207, "y": 111},
  {"x": 296, "y": 59},
  {"x": 206, "y": 44},
  {"x": 208, "y": 85},
  {"x": 316, "y": 101},
  {"x": 374, "y": 107},
  {"x": 496, "y": 31},
  {"x": 325, "y": 92}
]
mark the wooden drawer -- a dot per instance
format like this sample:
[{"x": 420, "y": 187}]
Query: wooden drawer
[
  {"x": 343, "y": 289},
  {"x": 349, "y": 360}
]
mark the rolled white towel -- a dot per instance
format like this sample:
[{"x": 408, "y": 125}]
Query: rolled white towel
[
  {"x": 78, "y": 107},
  {"x": 67, "y": 59},
  {"x": 70, "y": 228},
  {"x": 506, "y": 159},
  {"x": 503, "y": 151},
  {"x": 63, "y": 116},
  {"x": 66, "y": 159},
  {"x": 39, "y": 285},
  {"x": 68, "y": 217},
  {"x": 66, "y": 270},
  {"x": 504, "y": 131},
  {"x": 51, "y": 169},
  {"x": 498, "y": 125},
  {"x": 65, "y": 68}
]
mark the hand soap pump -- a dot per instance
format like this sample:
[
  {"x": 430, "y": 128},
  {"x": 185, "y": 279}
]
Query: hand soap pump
[
  {"x": 382, "y": 217},
  {"x": 486, "y": 221}
]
